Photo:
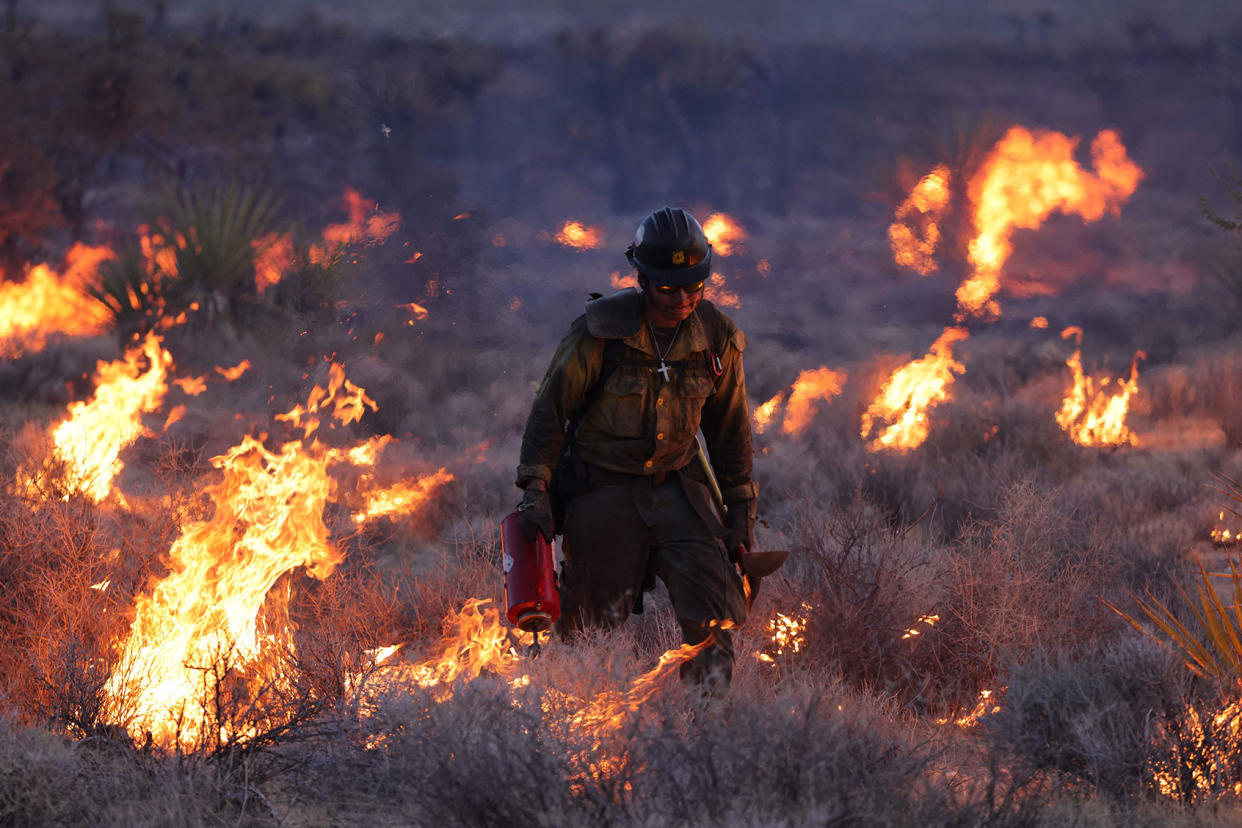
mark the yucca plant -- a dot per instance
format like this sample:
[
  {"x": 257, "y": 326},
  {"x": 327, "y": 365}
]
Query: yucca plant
[
  {"x": 203, "y": 251},
  {"x": 1216, "y": 650}
]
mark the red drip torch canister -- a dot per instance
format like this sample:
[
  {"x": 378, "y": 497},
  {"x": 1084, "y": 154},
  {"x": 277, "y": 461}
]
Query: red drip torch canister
[{"x": 530, "y": 577}]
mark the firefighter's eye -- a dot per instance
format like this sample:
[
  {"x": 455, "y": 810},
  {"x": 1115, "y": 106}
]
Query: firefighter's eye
[{"x": 671, "y": 289}]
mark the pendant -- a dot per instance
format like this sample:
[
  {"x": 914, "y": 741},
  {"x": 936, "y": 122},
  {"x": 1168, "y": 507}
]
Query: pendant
[{"x": 663, "y": 370}]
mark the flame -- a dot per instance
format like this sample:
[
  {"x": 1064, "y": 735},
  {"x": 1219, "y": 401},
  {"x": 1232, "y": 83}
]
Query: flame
[
  {"x": 620, "y": 282},
  {"x": 723, "y": 232},
  {"x": 910, "y": 393},
  {"x": 217, "y": 602},
  {"x": 716, "y": 293},
  {"x": 1213, "y": 742},
  {"x": 1039, "y": 323},
  {"x": 985, "y": 706},
  {"x": 416, "y": 310},
  {"x": 191, "y": 386},
  {"x": 400, "y": 498},
  {"x": 767, "y": 411},
  {"x": 810, "y": 388},
  {"x": 914, "y": 248},
  {"x": 925, "y": 620},
  {"x": 235, "y": 372},
  {"x": 89, "y": 440},
  {"x": 1025, "y": 178},
  {"x": 273, "y": 259},
  {"x": 366, "y": 225},
  {"x": 47, "y": 304},
  {"x": 1223, "y": 536},
  {"x": 579, "y": 236},
  {"x": 479, "y": 641},
  {"x": 1091, "y": 415}
]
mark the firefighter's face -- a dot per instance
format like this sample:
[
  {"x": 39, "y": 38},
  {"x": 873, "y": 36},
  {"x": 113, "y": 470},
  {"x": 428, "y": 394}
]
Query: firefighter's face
[{"x": 667, "y": 309}]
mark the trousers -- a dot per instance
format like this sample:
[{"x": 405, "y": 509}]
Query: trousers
[{"x": 617, "y": 532}]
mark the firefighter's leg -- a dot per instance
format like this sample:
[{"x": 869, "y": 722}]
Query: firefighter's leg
[
  {"x": 704, "y": 587},
  {"x": 606, "y": 548}
]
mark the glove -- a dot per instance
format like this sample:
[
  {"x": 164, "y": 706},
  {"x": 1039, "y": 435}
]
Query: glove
[
  {"x": 535, "y": 514},
  {"x": 741, "y": 525}
]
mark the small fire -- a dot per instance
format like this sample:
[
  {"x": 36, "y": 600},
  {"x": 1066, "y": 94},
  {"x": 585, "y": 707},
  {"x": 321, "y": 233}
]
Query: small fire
[
  {"x": 1203, "y": 744},
  {"x": 910, "y": 393},
  {"x": 1223, "y": 536},
  {"x": 716, "y": 293},
  {"x": 400, "y": 498},
  {"x": 723, "y": 233},
  {"x": 579, "y": 236},
  {"x": 415, "y": 310},
  {"x": 234, "y": 373},
  {"x": 812, "y": 388},
  {"x": 788, "y": 635},
  {"x": 985, "y": 706},
  {"x": 1090, "y": 414},
  {"x": 925, "y": 621},
  {"x": 809, "y": 390},
  {"x": 47, "y": 304},
  {"x": 1039, "y": 323},
  {"x": 366, "y": 225},
  {"x": 1027, "y": 177},
  {"x": 479, "y": 642},
  {"x": 620, "y": 282},
  {"x": 914, "y": 247},
  {"x": 272, "y": 260},
  {"x": 191, "y": 386},
  {"x": 88, "y": 442}
]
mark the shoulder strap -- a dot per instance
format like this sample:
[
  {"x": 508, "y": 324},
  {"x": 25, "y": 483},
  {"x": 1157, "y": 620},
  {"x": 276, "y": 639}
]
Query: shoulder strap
[{"x": 614, "y": 350}]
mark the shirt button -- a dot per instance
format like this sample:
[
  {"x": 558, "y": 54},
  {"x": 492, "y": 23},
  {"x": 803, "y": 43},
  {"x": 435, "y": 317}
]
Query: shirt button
[
  {"x": 659, "y": 401},
  {"x": 650, "y": 463},
  {"x": 660, "y": 436}
]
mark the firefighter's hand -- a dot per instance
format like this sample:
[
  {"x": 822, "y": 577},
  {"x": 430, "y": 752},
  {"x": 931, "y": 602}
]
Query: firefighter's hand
[
  {"x": 741, "y": 524},
  {"x": 535, "y": 513}
]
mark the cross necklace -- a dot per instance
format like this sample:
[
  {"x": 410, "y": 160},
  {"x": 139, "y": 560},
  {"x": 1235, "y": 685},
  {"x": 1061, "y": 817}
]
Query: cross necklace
[{"x": 664, "y": 368}]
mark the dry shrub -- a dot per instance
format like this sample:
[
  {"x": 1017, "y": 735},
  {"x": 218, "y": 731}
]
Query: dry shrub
[{"x": 1025, "y": 580}]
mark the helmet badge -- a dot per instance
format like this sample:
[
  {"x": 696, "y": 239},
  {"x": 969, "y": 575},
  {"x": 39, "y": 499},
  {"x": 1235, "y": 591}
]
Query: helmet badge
[{"x": 679, "y": 257}]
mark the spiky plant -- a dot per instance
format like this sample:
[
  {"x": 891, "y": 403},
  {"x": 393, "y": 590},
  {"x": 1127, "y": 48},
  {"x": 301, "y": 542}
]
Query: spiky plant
[
  {"x": 203, "y": 251},
  {"x": 1214, "y": 651},
  {"x": 1229, "y": 269}
]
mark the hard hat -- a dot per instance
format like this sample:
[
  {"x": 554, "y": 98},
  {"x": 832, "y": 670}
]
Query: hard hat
[{"x": 670, "y": 248}]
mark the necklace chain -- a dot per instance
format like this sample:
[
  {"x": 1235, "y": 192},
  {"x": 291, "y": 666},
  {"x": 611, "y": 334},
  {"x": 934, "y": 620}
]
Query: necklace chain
[{"x": 655, "y": 341}]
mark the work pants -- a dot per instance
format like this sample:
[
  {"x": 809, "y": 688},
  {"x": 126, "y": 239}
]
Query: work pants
[{"x": 616, "y": 531}]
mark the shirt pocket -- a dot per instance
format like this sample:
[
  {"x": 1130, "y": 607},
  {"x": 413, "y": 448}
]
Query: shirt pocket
[
  {"x": 623, "y": 404},
  {"x": 697, "y": 385}
]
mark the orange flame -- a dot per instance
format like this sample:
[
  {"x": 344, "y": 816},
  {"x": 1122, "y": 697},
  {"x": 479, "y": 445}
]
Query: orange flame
[
  {"x": 767, "y": 411},
  {"x": 914, "y": 247},
  {"x": 366, "y": 225},
  {"x": 986, "y": 705},
  {"x": 47, "y": 304},
  {"x": 268, "y": 520},
  {"x": 788, "y": 635},
  {"x": 89, "y": 440},
  {"x": 716, "y": 293},
  {"x": 1222, "y": 535},
  {"x": 910, "y": 393},
  {"x": 1091, "y": 415},
  {"x": 723, "y": 232},
  {"x": 1026, "y": 177},
  {"x": 191, "y": 386},
  {"x": 235, "y": 372},
  {"x": 580, "y": 236},
  {"x": 400, "y": 498},
  {"x": 809, "y": 389},
  {"x": 273, "y": 258},
  {"x": 620, "y": 282}
]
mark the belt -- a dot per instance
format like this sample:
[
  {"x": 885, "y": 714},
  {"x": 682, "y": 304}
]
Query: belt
[{"x": 601, "y": 476}]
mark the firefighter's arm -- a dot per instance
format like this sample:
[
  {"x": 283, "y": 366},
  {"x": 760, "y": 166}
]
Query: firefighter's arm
[
  {"x": 571, "y": 372},
  {"x": 726, "y": 425}
]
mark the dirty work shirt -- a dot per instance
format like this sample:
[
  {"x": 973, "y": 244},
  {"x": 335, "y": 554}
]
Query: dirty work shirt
[{"x": 642, "y": 424}]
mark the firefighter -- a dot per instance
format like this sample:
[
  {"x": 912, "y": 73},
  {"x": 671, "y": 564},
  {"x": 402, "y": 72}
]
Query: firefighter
[{"x": 640, "y": 505}]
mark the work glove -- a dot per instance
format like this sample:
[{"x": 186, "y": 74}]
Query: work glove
[
  {"x": 535, "y": 514},
  {"x": 741, "y": 525}
]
